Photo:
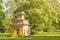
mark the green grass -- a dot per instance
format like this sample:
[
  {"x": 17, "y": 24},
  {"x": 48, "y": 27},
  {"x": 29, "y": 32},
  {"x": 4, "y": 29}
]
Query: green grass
[
  {"x": 32, "y": 38},
  {"x": 48, "y": 34},
  {"x": 40, "y": 36}
]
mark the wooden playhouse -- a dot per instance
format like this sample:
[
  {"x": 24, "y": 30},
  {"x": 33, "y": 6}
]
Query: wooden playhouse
[{"x": 20, "y": 26}]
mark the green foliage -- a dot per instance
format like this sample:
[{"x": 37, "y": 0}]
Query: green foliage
[
  {"x": 2, "y": 29},
  {"x": 2, "y": 15},
  {"x": 10, "y": 35},
  {"x": 39, "y": 13},
  {"x": 55, "y": 4},
  {"x": 20, "y": 35},
  {"x": 4, "y": 34},
  {"x": 7, "y": 23},
  {"x": 0, "y": 1}
]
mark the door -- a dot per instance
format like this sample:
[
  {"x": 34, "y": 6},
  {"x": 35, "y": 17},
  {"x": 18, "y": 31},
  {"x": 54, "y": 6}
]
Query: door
[
  {"x": 17, "y": 31},
  {"x": 25, "y": 30}
]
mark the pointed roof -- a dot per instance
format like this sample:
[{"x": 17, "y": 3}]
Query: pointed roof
[
  {"x": 21, "y": 13},
  {"x": 20, "y": 22}
]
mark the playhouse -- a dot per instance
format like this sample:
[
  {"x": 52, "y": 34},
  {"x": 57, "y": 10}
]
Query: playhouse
[{"x": 20, "y": 25}]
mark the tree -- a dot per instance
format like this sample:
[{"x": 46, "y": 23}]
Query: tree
[
  {"x": 56, "y": 5},
  {"x": 1, "y": 18},
  {"x": 0, "y": 1},
  {"x": 39, "y": 13},
  {"x": 7, "y": 23}
]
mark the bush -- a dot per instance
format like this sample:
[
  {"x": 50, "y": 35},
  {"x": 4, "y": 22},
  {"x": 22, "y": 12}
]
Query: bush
[
  {"x": 2, "y": 29},
  {"x": 9, "y": 35},
  {"x": 45, "y": 29},
  {"x": 20, "y": 35},
  {"x": 4, "y": 34}
]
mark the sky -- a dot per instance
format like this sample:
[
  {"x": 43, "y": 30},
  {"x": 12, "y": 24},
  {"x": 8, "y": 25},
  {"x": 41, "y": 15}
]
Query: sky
[
  {"x": 59, "y": 1},
  {"x": 6, "y": 1}
]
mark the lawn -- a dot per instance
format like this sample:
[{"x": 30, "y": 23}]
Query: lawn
[
  {"x": 40, "y": 36},
  {"x": 32, "y": 38},
  {"x": 48, "y": 34}
]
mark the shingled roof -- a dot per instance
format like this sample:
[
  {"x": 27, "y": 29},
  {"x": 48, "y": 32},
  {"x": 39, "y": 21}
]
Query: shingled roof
[{"x": 21, "y": 22}]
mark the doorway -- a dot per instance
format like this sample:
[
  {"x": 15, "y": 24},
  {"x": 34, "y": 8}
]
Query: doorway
[
  {"x": 17, "y": 31},
  {"x": 26, "y": 30}
]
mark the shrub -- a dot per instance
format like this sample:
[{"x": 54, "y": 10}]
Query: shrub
[
  {"x": 9, "y": 35},
  {"x": 20, "y": 35}
]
